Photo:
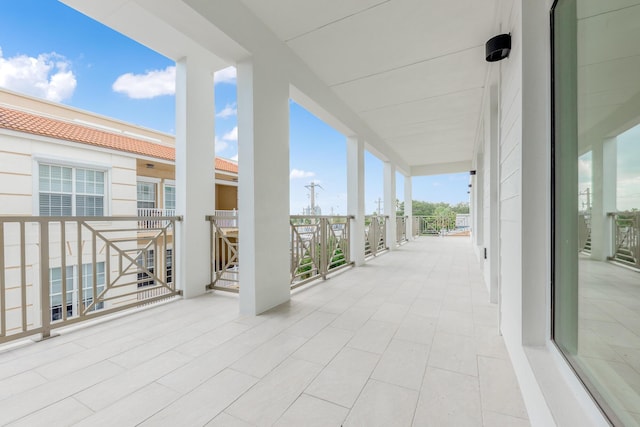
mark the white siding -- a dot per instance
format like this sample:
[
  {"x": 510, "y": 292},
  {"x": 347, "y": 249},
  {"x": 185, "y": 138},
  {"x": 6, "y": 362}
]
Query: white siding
[{"x": 510, "y": 179}]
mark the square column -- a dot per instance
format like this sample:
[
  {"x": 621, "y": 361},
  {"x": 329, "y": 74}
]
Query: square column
[
  {"x": 477, "y": 189},
  {"x": 492, "y": 234},
  {"x": 263, "y": 185},
  {"x": 355, "y": 197},
  {"x": 390, "y": 203},
  {"x": 408, "y": 205},
  {"x": 604, "y": 161},
  {"x": 195, "y": 185}
]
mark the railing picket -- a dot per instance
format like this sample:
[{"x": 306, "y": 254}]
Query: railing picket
[
  {"x": 63, "y": 262},
  {"x": 79, "y": 311},
  {"x": 23, "y": 276},
  {"x": 45, "y": 300}
]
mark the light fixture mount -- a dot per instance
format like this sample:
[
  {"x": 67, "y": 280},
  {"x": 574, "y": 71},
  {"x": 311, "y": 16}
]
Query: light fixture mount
[{"x": 498, "y": 48}]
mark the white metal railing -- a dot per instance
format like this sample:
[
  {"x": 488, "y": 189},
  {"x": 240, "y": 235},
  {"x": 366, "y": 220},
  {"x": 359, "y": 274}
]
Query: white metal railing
[
  {"x": 401, "y": 229},
  {"x": 154, "y": 214},
  {"x": 584, "y": 232},
  {"x": 227, "y": 218},
  {"x": 56, "y": 271},
  {"x": 375, "y": 235},
  {"x": 626, "y": 238},
  {"x": 224, "y": 251},
  {"x": 318, "y": 245},
  {"x": 425, "y": 225}
]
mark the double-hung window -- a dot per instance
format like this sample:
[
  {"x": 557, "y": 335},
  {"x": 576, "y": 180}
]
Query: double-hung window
[
  {"x": 169, "y": 197},
  {"x": 146, "y": 195},
  {"x": 69, "y": 191}
]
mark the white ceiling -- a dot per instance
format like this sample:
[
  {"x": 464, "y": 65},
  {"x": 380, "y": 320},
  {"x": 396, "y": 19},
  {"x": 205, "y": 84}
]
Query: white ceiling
[
  {"x": 414, "y": 70},
  {"x": 411, "y": 73}
]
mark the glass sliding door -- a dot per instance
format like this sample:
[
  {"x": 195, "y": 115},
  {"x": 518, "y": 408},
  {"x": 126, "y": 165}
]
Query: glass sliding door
[{"x": 596, "y": 198}]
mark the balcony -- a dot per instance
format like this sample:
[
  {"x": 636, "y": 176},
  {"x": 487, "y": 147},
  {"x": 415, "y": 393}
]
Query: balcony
[{"x": 407, "y": 339}]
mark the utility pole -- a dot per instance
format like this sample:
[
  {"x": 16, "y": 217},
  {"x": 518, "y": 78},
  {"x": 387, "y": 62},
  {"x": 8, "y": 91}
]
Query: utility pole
[
  {"x": 379, "y": 202},
  {"x": 312, "y": 191}
]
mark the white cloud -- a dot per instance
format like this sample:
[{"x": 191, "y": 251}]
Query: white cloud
[
  {"x": 160, "y": 82},
  {"x": 232, "y": 135},
  {"x": 220, "y": 145},
  {"x": 226, "y": 75},
  {"x": 234, "y": 158},
  {"x": 229, "y": 110},
  {"x": 297, "y": 174},
  {"x": 149, "y": 85},
  {"x": 48, "y": 76}
]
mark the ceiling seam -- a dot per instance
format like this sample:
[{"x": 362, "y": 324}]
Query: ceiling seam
[
  {"x": 421, "y": 99},
  {"x": 390, "y": 70},
  {"x": 336, "y": 21}
]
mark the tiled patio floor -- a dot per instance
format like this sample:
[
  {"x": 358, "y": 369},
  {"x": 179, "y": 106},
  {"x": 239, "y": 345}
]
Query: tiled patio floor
[{"x": 409, "y": 339}]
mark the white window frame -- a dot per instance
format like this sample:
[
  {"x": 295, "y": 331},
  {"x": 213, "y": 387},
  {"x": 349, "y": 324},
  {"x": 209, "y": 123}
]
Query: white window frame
[
  {"x": 168, "y": 183},
  {"x": 39, "y": 159},
  {"x": 148, "y": 180}
]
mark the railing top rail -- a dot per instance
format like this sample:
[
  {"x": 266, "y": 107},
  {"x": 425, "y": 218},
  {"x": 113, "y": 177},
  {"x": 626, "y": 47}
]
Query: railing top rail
[
  {"x": 42, "y": 219},
  {"x": 321, "y": 216},
  {"x": 623, "y": 213}
]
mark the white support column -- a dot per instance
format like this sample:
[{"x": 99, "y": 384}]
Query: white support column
[
  {"x": 408, "y": 205},
  {"x": 478, "y": 195},
  {"x": 195, "y": 186},
  {"x": 263, "y": 196},
  {"x": 604, "y": 160},
  {"x": 493, "y": 175},
  {"x": 390, "y": 203},
  {"x": 355, "y": 197}
]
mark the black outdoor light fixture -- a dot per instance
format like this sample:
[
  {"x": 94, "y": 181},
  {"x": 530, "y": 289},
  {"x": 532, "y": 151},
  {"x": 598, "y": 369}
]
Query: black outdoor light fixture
[
  {"x": 472, "y": 172},
  {"x": 498, "y": 47}
]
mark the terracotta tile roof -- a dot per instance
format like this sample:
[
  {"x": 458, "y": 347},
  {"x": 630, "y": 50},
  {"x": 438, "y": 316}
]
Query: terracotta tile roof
[{"x": 21, "y": 121}]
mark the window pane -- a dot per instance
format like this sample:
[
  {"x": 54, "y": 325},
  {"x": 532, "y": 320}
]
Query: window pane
[
  {"x": 169, "y": 197},
  {"x": 596, "y": 283}
]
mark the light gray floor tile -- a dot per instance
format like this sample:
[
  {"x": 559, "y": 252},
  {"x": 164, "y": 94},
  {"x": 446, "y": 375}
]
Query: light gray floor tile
[
  {"x": 353, "y": 318},
  {"x": 374, "y": 336},
  {"x": 494, "y": 419},
  {"x": 454, "y": 353},
  {"x": 226, "y": 420},
  {"x": 269, "y": 355},
  {"x": 37, "y": 398},
  {"x": 324, "y": 346},
  {"x": 391, "y": 312},
  {"x": 311, "y": 325},
  {"x": 132, "y": 409},
  {"x": 382, "y": 404},
  {"x": 448, "y": 399},
  {"x": 19, "y": 383},
  {"x": 417, "y": 329},
  {"x": 115, "y": 388},
  {"x": 263, "y": 404},
  {"x": 342, "y": 380},
  {"x": 205, "y": 402},
  {"x": 310, "y": 411},
  {"x": 403, "y": 364},
  {"x": 499, "y": 387},
  {"x": 66, "y": 412}
]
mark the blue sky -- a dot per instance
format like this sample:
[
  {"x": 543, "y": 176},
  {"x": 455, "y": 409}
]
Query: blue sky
[{"x": 51, "y": 51}]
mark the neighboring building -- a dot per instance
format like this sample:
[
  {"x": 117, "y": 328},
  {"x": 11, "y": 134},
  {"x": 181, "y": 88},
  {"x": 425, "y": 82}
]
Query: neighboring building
[
  {"x": 58, "y": 161},
  {"x": 133, "y": 167}
]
